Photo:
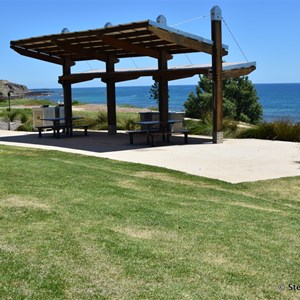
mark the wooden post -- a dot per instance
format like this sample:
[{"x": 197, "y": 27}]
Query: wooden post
[
  {"x": 111, "y": 98},
  {"x": 67, "y": 89},
  {"x": 216, "y": 31},
  {"x": 163, "y": 93}
]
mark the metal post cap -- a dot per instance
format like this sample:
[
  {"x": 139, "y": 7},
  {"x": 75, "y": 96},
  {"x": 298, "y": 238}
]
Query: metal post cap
[
  {"x": 65, "y": 30},
  {"x": 216, "y": 13},
  {"x": 108, "y": 24},
  {"x": 161, "y": 19}
]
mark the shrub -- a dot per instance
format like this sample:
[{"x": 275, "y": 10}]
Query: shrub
[
  {"x": 240, "y": 101},
  {"x": 230, "y": 128},
  {"x": 25, "y": 127},
  {"x": 91, "y": 122},
  {"x": 23, "y": 117},
  {"x": 201, "y": 127},
  {"x": 102, "y": 117},
  {"x": 127, "y": 123},
  {"x": 283, "y": 130}
]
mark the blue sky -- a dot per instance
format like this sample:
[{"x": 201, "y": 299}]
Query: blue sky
[{"x": 267, "y": 31}]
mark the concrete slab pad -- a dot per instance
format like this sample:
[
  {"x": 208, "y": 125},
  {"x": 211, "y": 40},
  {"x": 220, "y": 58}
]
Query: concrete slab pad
[{"x": 236, "y": 160}]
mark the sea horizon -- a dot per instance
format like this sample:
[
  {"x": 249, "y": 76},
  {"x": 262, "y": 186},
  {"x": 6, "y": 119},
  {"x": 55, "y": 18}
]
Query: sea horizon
[{"x": 279, "y": 100}]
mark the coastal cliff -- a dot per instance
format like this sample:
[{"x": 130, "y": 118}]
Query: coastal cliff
[{"x": 15, "y": 89}]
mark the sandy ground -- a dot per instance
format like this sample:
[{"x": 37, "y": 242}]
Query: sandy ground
[
  {"x": 95, "y": 107},
  {"x": 103, "y": 107}
]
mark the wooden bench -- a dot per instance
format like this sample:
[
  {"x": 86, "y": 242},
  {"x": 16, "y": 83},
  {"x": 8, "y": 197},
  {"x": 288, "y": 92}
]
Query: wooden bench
[
  {"x": 167, "y": 134},
  {"x": 85, "y": 127},
  {"x": 183, "y": 131},
  {"x": 162, "y": 134},
  {"x": 133, "y": 132},
  {"x": 57, "y": 128}
]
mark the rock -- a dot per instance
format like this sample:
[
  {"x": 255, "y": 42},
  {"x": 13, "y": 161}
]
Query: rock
[
  {"x": 16, "y": 90},
  {"x": 13, "y": 125}
]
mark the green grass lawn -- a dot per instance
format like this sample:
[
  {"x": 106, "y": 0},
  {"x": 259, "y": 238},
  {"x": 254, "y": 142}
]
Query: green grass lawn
[
  {"x": 78, "y": 227},
  {"x": 26, "y": 102}
]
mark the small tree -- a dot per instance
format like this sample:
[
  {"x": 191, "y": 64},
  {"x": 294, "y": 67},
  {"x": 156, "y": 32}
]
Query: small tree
[
  {"x": 240, "y": 101},
  {"x": 153, "y": 93},
  {"x": 199, "y": 105}
]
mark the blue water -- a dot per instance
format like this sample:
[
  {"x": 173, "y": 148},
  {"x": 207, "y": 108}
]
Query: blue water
[{"x": 278, "y": 100}]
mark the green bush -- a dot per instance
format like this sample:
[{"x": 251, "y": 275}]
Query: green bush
[
  {"x": 127, "y": 122},
  {"x": 200, "y": 127},
  {"x": 102, "y": 117},
  {"x": 230, "y": 128},
  {"x": 25, "y": 127},
  {"x": 75, "y": 102},
  {"x": 24, "y": 117},
  {"x": 205, "y": 126},
  {"x": 240, "y": 101},
  {"x": 283, "y": 130},
  {"x": 10, "y": 114}
]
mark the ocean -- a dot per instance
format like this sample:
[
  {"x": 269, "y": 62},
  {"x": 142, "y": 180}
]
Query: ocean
[{"x": 278, "y": 100}]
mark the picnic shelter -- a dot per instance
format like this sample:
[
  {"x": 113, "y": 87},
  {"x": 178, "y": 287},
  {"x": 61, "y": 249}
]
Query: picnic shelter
[{"x": 157, "y": 40}]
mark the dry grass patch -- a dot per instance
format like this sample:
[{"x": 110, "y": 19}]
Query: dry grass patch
[
  {"x": 21, "y": 202},
  {"x": 148, "y": 234}
]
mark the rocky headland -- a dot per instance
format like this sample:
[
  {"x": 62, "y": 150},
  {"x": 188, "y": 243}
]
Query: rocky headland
[{"x": 15, "y": 89}]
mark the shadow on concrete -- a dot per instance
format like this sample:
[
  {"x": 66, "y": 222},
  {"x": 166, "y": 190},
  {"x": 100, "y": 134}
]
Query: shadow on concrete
[{"x": 99, "y": 141}]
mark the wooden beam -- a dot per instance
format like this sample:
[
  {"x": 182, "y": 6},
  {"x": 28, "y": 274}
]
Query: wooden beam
[
  {"x": 67, "y": 88},
  {"x": 110, "y": 77},
  {"x": 38, "y": 55},
  {"x": 234, "y": 73},
  {"x": 228, "y": 74},
  {"x": 163, "y": 91},
  {"x": 117, "y": 76},
  {"x": 216, "y": 34},
  {"x": 184, "y": 41},
  {"x": 181, "y": 40},
  {"x": 81, "y": 77},
  {"x": 174, "y": 74},
  {"x": 111, "y": 99},
  {"x": 123, "y": 44}
]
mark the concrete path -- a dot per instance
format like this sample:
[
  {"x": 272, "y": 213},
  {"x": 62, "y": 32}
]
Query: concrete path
[{"x": 236, "y": 160}]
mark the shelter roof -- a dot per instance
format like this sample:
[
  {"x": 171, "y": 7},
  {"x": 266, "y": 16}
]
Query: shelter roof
[{"x": 144, "y": 38}]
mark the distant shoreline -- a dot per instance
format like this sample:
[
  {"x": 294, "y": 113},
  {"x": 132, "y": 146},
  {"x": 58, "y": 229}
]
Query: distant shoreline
[
  {"x": 148, "y": 86},
  {"x": 278, "y": 100}
]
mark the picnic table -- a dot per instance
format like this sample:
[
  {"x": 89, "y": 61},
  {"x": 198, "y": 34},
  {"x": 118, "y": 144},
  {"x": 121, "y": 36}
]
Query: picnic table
[
  {"x": 58, "y": 123},
  {"x": 164, "y": 130}
]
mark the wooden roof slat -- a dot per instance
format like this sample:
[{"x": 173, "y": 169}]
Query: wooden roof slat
[
  {"x": 76, "y": 49},
  {"x": 136, "y": 48},
  {"x": 126, "y": 40},
  {"x": 40, "y": 56}
]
